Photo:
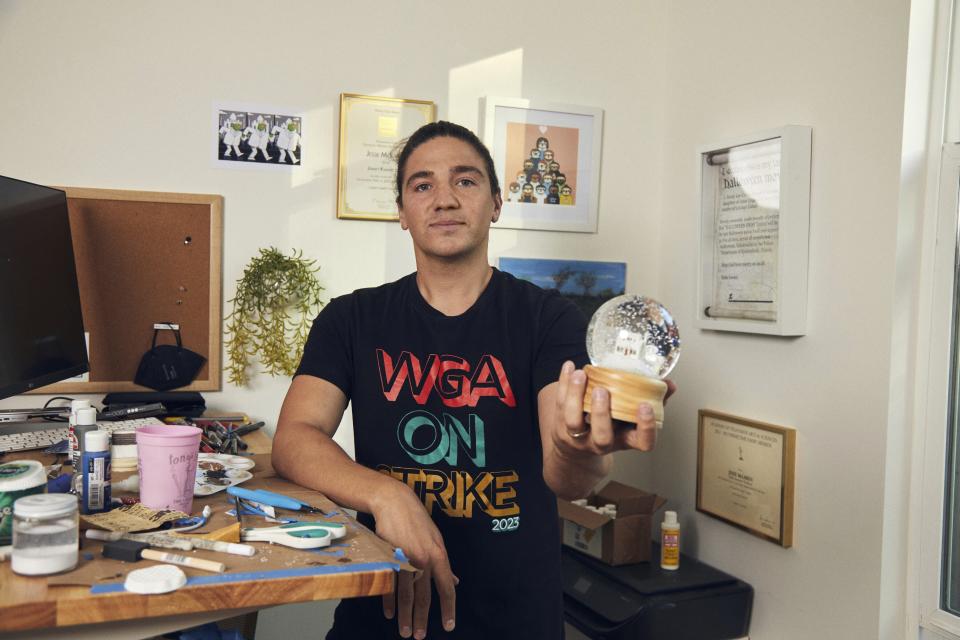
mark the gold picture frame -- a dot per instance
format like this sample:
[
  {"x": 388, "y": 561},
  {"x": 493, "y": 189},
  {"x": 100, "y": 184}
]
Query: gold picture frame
[
  {"x": 371, "y": 127},
  {"x": 745, "y": 474}
]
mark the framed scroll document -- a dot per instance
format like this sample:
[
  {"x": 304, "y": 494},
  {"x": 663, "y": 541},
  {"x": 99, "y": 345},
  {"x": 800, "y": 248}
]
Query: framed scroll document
[
  {"x": 745, "y": 474},
  {"x": 754, "y": 227},
  {"x": 371, "y": 127}
]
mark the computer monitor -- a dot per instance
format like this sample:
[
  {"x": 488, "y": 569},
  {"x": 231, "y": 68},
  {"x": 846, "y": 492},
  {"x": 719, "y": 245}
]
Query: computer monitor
[{"x": 41, "y": 325}]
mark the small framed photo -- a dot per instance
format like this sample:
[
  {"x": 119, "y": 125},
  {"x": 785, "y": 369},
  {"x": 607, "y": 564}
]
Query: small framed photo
[
  {"x": 754, "y": 228},
  {"x": 745, "y": 474},
  {"x": 586, "y": 283},
  {"x": 371, "y": 128},
  {"x": 548, "y": 159},
  {"x": 253, "y": 136}
]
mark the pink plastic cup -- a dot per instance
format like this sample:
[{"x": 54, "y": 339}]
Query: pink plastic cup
[{"x": 167, "y": 460}]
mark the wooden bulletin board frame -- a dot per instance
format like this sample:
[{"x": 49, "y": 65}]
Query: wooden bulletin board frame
[{"x": 145, "y": 257}]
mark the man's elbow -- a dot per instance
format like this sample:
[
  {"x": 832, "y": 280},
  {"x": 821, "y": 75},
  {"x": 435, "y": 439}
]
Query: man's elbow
[{"x": 280, "y": 453}]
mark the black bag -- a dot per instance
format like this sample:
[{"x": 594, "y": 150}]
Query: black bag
[{"x": 168, "y": 366}]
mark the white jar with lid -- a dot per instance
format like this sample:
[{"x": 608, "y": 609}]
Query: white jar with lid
[{"x": 45, "y": 534}]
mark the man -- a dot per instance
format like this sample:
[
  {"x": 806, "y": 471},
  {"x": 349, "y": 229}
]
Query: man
[{"x": 464, "y": 431}]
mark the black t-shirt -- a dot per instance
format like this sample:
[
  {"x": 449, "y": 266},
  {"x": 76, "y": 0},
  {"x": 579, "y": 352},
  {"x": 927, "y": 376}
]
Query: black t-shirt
[{"x": 449, "y": 406}]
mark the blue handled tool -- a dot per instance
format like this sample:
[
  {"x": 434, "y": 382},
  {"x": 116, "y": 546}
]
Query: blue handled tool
[{"x": 273, "y": 499}]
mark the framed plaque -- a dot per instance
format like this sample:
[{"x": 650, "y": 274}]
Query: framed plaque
[
  {"x": 754, "y": 227},
  {"x": 745, "y": 474},
  {"x": 371, "y": 127}
]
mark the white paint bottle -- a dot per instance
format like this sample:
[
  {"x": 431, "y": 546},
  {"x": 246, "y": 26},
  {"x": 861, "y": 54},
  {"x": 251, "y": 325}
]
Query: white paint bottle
[{"x": 670, "y": 542}]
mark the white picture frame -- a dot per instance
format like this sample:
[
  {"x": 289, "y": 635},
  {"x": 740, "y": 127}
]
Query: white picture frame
[
  {"x": 513, "y": 128},
  {"x": 754, "y": 223}
]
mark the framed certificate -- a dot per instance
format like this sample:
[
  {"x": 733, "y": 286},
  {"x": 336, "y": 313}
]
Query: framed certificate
[
  {"x": 745, "y": 474},
  {"x": 754, "y": 227},
  {"x": 371, "y": 127}
]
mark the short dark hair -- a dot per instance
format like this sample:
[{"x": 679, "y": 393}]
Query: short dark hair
[{"x": 447, "y": 130}]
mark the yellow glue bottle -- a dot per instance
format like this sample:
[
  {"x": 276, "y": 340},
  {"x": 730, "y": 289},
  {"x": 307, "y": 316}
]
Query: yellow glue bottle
[{"x": 670, "y": 542}]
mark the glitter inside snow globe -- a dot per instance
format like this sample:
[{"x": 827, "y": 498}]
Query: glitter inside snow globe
[{"x": 633, "y": 344}]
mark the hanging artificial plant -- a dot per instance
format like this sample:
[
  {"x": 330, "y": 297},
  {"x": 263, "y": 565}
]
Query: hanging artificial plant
[{"x": 276, "y": 301}]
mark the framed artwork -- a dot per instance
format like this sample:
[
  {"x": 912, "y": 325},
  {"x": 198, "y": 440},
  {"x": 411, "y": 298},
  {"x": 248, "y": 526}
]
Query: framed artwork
[
  {"x": 586, "y": 283},
  {"x": 257, "y": 136},
  {"x": 754, "y": 233},
  {"x": 548, "y": 159},
  {"x": 745, "y": 474},
  {"x": 371, "y": 127}
]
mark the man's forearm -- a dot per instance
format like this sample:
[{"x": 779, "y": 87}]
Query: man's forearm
[
  {"x": 572, "y": 474},
  {"x": 310, "y": 458}
]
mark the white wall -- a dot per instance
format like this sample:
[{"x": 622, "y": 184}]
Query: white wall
[
  {"x": 119, "y": 95},
  {"x": 738, "y": 67}
]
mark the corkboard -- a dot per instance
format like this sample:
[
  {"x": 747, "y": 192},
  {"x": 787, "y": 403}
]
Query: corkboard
[{"x": 144, "y": 258}]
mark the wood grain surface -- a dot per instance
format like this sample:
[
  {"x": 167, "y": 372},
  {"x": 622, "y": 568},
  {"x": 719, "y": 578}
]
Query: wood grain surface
[{"x": 40, "y": 602}]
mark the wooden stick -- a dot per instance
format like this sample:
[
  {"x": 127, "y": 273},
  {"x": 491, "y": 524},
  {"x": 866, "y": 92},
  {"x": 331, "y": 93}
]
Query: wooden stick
[{"x": 186, "y": 561}]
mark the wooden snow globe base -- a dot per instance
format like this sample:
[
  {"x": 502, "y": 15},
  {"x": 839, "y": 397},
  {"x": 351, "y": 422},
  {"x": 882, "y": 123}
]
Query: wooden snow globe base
[{"x": 627, "y": 392}]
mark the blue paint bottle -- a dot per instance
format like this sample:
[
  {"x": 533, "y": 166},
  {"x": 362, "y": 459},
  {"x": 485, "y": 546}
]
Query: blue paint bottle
[{"x": 95, "y": 464}]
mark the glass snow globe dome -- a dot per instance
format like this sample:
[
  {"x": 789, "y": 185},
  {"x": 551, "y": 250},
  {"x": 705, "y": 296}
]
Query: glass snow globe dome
[
  {"x": 633, "y": 343},
  {"x": 635, "y": 334}
]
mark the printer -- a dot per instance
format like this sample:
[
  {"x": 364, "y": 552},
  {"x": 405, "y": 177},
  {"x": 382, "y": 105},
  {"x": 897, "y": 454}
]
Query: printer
[{"x": 643, "y": 601}]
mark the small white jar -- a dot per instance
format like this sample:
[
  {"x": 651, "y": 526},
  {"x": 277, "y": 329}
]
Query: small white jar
[{"x": 45, "y": 534}]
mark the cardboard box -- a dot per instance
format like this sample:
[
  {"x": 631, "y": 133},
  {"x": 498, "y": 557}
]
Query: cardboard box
[{"x": 621, "y": 540}]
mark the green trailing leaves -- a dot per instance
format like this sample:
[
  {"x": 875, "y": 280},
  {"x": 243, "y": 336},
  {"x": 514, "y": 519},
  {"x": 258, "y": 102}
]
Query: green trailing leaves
[{"x": 276, "y": 301}]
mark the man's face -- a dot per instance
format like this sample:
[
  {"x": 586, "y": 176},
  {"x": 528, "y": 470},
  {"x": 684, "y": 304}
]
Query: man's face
[
  {"x": 447, "y": 204},
  {"x": 548, "y": 155},
  {"x": 555, "y": 166}
]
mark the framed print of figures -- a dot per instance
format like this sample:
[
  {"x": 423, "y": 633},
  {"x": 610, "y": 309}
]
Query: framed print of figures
[
  {"x": 370, "y": 129},
  {"x": 754, "y": 225},
  {"x": 548, "y": 159},
  {"x": 256, "y": 136}
]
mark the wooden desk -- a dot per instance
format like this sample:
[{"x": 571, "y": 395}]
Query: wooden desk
[{"x": 31, "y": 604}]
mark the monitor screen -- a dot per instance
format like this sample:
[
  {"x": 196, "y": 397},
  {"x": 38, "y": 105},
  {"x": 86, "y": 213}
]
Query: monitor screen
[{"x": 41, "y": 326}]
